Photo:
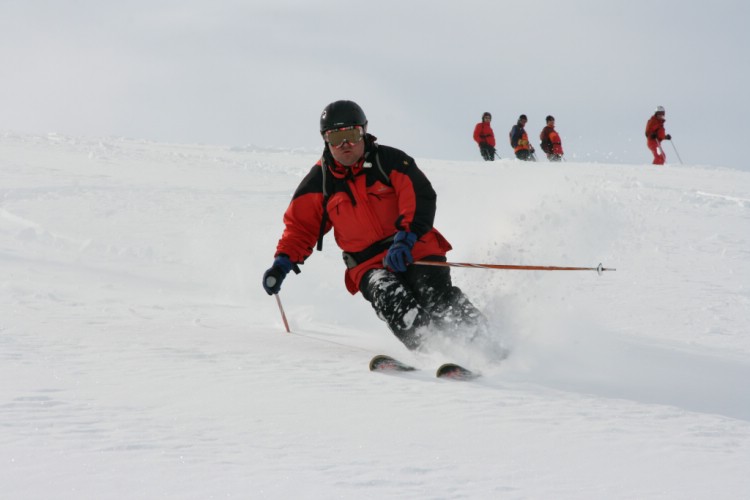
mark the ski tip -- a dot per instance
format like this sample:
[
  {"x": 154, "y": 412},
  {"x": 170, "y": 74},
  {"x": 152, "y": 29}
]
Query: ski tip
[
  {"x": 381, "y": 363},
  {"x": 377, "y": 362},
  {"x": 455, "y": 372}
]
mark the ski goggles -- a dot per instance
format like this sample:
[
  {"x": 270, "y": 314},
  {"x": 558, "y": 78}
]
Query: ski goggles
[{"x": 338, "y": 137}]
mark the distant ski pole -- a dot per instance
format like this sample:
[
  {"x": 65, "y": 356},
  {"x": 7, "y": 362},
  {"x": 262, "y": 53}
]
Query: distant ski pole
[
  {"x": 675, "y": 151},
  {"x": 599, "y": 269},
  {"x": 283, "y": 315}
]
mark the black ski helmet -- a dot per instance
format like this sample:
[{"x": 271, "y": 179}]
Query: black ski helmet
[{"x": 342, "y": 114}]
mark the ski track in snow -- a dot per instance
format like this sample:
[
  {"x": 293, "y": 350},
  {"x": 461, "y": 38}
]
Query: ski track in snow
[{"x": 140, "y": 358}]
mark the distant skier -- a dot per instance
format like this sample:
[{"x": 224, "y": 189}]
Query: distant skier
[
  {"x": 485, "y": 137},
  {"x": 655, "y": 134},
  {"x": 381, "y": 208},
  {"x": 519, "y": 140},
  {"x": 551, "y": 143}
]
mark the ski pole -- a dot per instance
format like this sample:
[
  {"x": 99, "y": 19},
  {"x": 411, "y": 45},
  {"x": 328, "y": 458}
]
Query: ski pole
[
  {"x": 675, "y": 150},
  {"x": 281, "y": 310},
  {"x": 599, "y": 269}
]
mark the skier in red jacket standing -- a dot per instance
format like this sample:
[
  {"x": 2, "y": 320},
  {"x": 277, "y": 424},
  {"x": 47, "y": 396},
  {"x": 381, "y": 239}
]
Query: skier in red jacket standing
[
  {"x": 655, "y": 134},
  {"x": 381, "y": 208},
  {"x": 551, "y": 143},
  {"x": 485, "y": 137}
]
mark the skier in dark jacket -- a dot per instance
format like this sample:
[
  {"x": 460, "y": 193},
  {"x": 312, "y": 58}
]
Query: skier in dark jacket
[
  {"x": 519, "y": 140},
  {"x": 381, "y": 208}
]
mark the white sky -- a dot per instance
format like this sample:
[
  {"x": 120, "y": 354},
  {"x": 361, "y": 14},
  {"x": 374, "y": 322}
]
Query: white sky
[{"x": 259, "y": 72}]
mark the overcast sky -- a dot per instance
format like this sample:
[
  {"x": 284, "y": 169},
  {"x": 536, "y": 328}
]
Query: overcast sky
[{"x": 239, "y": 72}]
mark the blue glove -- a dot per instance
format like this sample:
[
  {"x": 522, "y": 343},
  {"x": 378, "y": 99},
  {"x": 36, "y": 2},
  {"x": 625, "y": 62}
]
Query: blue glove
[
  {"x": 399, "y": 255},
  {"x": 273, "y": 278}
]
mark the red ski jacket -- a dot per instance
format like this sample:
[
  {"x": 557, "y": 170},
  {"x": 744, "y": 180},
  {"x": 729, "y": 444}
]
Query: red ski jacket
[
  {"x": 365, "y": 205},
  {"x": 655, "y": 132},
  {"x": 551, "y": 142},
  {"x": 483, "y": 133}
]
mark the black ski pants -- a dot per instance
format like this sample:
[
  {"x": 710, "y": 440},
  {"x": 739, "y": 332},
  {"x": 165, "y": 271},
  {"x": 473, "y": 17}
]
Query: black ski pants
[
  {"x": 423, "y": 296},
  {"x": 525, "y": 155},
  {"x": 487, "y": 151}
]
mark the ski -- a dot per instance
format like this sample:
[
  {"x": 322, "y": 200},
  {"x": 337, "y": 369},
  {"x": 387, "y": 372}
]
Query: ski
[
  {"x": 455, "y": 372},
  {"x": 383, "y": 363},
  {"x": 451, "y": 371}
]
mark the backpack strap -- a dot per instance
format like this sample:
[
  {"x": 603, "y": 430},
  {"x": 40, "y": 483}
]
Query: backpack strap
[
  {"x": 326, "y": 195},
  {"x": 386, "y": 180}
]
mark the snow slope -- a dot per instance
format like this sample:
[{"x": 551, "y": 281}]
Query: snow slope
[{"x": 140, "y": 357}]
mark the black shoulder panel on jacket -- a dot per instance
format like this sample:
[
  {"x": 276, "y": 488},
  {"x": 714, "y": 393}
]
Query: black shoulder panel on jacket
[
  {"x": 390, "y": 157},
  {"x": 394, "y": 159},
  {"x": 312, "y": 183}
]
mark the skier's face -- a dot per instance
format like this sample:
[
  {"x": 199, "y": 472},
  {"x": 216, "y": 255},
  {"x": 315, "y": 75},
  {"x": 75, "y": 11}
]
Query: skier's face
[{"x": 347, "y": 153}]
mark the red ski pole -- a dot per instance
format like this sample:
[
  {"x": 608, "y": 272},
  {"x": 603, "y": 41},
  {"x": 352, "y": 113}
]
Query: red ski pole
[
  {"x": 599, "y": 269},
  {"x": 281, "y": 310}
]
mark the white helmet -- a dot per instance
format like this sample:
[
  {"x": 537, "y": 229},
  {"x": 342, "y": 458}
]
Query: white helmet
[{"x": 659, "y": 109}]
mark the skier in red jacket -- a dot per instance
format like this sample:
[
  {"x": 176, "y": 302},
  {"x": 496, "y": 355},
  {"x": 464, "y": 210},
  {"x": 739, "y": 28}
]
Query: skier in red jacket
[
  {"x": 485, "y": 137},
  {"x": 381, "y": 208},
  {"x": 655, "y": 134},
  {"x": 550, "y": 140}
]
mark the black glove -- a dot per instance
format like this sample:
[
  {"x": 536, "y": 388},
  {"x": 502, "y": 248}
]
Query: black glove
[
  {"x": 399, "y": 255},
  {"x": 667, "y": 137},
  {"x": 653, "y": 136},
  {"x": 273, "y": 278}
]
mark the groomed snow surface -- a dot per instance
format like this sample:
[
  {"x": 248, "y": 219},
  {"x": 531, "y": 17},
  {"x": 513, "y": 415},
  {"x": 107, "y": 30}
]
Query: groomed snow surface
[{"x": 140, "y": 357}]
